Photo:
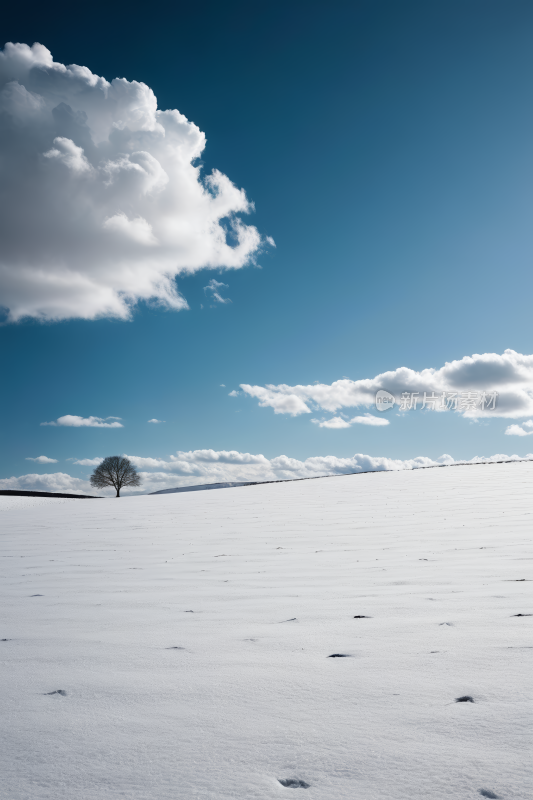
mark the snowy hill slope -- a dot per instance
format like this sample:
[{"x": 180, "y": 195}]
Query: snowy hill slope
[
  {"x": 203, "y": 486},
  {"x": 191, "y": 635}
]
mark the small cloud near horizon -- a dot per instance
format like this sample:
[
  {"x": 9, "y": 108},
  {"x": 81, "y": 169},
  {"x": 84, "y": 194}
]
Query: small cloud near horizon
[
  {"x": 73, "y": 421},
  {"x": 43, "y": 460},
  {"x": 156, "y": 421},
  {"x": 88, "y": 462}
]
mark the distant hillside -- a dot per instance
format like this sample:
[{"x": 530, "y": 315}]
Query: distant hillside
[{"x": 210, "y": 486}]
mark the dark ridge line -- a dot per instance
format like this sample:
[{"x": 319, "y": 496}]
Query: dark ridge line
[
  {"x": 238, "y": 484},
  {"x": 16, "y": 493}
]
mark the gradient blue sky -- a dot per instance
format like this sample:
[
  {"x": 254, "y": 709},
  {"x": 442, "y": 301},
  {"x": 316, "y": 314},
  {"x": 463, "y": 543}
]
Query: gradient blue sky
[{"x": 387, "y": 147}]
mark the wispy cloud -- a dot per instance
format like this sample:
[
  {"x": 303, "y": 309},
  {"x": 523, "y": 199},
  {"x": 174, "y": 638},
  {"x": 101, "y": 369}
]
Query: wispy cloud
[
  {"x": 369, "y": 419},
  {"x": 89, "y": 462},
  {"x": 213, "y": 289},
  {"x": 339, "y": 422},
  {"x": 43, "y": 460},
  {"x": 156, "y": 421},
  {"x": 334, "y": 422},
  {"x": 72, "y": 421}
]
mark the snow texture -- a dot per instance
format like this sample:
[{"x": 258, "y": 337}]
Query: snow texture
[{"x": 178, "y": 646}]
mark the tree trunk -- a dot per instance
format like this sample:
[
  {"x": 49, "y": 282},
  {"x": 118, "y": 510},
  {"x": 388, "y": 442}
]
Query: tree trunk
[{"x": 118, "y": 492}]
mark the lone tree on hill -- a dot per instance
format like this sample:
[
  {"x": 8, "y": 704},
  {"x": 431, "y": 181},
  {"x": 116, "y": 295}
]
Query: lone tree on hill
[{"x": 115, "y": 471}]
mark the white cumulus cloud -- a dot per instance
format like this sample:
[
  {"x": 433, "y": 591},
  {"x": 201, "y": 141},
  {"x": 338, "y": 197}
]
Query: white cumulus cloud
[
  {"x": 72, "y": 421},
  {"x": 156, "y": 421},
  {"x": 54, "y": 482},
  {"x": 103, "y": 202},
  {"x": 88, "y": 462},
  {"x": 517, "y": 430},
  {"x": 509, "y": 374},
  {"x": 43, "y": 460}
]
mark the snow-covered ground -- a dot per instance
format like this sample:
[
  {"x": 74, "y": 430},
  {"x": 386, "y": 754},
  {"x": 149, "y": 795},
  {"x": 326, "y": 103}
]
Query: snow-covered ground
[
  {"x": 12, "y": 502},
  {"x": 191, "y": 634}
]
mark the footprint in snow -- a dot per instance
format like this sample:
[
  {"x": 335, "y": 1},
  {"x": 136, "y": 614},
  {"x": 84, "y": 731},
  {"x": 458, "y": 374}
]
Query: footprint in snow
[
  {"x": 488, "y": 793},
  {"x": 5, "y": 640},
  {"x": 466, "y": 698},
  {"x": 293, "y": 783},
  {"x": 361, "y": 616},
  {"x": 62, "y": 692},
  {"x": 175, "y": 648},
  {"x": 188, "y": 612},
  {"x": 522, "y": 615},
  {"x": 36, "y": 595},
  {"x": 339, "y": 655},
  {"x": 292, "y": 619},
  {"x": 449, "y": 624}
]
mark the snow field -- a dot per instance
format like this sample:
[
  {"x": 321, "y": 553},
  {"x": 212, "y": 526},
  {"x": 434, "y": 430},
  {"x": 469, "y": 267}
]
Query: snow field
[
  {"x": 12, "y": 502},
  {"x": 259, "y": 585}
]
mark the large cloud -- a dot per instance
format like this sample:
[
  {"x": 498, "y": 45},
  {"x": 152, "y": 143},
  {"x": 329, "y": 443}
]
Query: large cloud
[
  {"x": 509, "y": 374},
  {"x": 101, "y": 203},
  {"x": 197, "y": 467}
]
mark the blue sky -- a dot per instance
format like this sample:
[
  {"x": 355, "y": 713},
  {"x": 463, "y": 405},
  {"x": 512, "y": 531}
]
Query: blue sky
[{"x": 387, "y": 148}]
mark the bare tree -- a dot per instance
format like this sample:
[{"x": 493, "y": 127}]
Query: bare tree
[{"x": 115, "y": 471}]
